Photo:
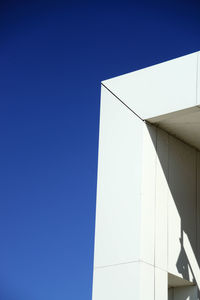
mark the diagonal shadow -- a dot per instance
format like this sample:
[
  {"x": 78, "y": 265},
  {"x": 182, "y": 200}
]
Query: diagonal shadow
[{"x": 180, "y": 168}]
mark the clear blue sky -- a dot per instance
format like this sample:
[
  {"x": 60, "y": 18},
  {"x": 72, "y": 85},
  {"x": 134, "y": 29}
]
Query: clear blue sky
[{"x": 53, "y": 55}]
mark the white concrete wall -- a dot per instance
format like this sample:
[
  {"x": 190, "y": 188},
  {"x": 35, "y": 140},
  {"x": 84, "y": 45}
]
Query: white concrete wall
[
  {"x": 159, "y": 89},
  {"x": 117, "y": 271},
  {"x": 119, "y": 184},
  {"x": 125, "y": 228},
  {"x": 147, "y": 217},
  {"x": 162, "y": 193},
  {"x": 182, "y": 206},
  {"x": 177, "y": 180},
  {"x": 179, "y": 166}
]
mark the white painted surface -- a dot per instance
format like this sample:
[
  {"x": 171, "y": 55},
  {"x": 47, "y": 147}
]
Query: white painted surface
[
  {"x": 198, "y": 80},
  {"x": 162, "y": 195},
  {"x": 193, "y": 263},
  {"x": 184, "y": 124},
  {"x": 117, "y": 282},
  {"x": 119, "y": 184},
  {"x": 182, "y": 205},
  {"x": 198, "y": 209},
  {"x": 160, "y": 89},
  {"x": 161, "y": 284},
  {"x": 125, "y": 281},
  {"x": 148, "y": 199},
  {"x": 176, "y": 281},
  {"x": 146, "y": 283},
  {"x": 147, "y": 252}
]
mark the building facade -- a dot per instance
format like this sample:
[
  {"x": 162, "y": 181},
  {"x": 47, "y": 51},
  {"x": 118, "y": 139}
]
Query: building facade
[{"x": 147, "y": 235}]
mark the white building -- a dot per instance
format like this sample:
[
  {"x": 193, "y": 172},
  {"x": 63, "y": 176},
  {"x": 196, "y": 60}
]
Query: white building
[{"x": 147, "y": 238}]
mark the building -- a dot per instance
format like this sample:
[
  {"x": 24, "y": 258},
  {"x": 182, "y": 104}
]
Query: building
[{"x": 147, "y": 236}]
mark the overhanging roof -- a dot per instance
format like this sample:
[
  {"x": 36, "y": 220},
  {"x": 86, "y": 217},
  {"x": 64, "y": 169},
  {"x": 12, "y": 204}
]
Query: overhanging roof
[{"x": 167, "y": 95}]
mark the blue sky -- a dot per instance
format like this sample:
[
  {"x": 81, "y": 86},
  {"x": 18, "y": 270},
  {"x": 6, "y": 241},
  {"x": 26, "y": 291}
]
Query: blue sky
[{"x": 53, "y": 56}]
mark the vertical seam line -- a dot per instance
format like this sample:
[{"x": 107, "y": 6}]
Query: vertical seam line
[
  {"x": 168, "y": 202},
  {"x": 197, "y": 77},
  {"x": 155, "y": 197},
  {"x": 196, "y": 201}
]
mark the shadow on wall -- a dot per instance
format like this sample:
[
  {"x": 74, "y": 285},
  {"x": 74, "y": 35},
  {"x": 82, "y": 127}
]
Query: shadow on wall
[{"x": 181, "y": 171}]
